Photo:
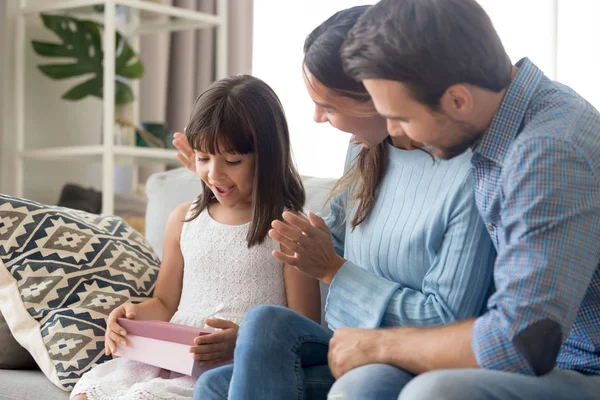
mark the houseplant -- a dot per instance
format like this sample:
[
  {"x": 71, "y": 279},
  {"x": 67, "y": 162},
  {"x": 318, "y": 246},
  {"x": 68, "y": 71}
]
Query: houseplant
[
  {"x": 81, "y": 44},
  {"x": 81, "y": 41}
]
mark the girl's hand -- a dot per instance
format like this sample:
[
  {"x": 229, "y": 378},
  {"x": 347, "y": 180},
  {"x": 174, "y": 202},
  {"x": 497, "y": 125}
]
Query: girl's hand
[
  {"x": 186, "y": 154},
  {"x": 218, "y": 347},
  {"x": 309, "y": 240},
  {"x": 115, "y": 334}
]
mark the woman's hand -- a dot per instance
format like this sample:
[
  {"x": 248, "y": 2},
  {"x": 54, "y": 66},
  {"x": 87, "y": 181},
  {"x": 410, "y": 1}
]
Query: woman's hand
[
  {"x": 310, "y": 241},
  {"x": 186, "y": 154},
  {"x": 218, "y": 347},
  {"x": 115, "y": 334}
]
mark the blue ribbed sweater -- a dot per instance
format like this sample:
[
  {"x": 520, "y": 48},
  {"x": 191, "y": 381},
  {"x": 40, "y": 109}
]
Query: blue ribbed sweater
[{"x": 423, "y": 256}]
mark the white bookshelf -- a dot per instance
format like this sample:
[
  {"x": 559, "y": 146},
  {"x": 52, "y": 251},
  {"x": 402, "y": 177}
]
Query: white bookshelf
[
  {"x": 127, "y": 155},
  {"x": 143, "y": 21}
]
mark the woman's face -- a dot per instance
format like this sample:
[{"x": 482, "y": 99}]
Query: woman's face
[{"x": 346, "y": 114}]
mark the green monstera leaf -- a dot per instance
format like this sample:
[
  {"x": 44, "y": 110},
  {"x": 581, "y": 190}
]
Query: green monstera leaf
[{"x": 81, "y": 42}]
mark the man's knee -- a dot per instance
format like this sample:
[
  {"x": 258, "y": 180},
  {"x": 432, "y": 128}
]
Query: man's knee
[
  {"x": 440, "y": 385},
  {"x": 374, "y": 381},
  {"x": 349, "y": 387}
]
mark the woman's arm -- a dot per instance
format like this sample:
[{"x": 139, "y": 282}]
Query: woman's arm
[
  {"x": 455, "y": 287},
  {"x": 303, "y": 292},
  {"x": 336, "y": 219}
]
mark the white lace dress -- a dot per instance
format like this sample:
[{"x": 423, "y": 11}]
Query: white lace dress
[{"x": 222, "y": 278}]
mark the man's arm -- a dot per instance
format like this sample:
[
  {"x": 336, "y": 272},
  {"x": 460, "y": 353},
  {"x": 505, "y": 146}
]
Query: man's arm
[
  {"x": 415, "y": 350},
  {"x": 420, "y": 350}
]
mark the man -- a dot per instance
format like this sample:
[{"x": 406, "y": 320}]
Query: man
[{"x": 437, "y": 70}]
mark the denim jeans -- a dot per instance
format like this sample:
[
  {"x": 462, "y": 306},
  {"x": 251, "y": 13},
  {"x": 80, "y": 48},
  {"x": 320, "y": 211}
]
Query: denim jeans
[
  {"x": 282, "y": 355},
  {"x": 370, "y": 382},
  {"x": 477, "y": 384},
  {"x": 380, "y": 381},
  {"x": 279, "y": 355}
]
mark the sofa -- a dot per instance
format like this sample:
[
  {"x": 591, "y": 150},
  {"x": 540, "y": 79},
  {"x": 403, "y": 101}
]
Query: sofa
[{"x": 165, "y": 191}]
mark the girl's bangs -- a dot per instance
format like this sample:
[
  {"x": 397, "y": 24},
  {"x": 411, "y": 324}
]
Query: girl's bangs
[{"x": 220, "y": 130}]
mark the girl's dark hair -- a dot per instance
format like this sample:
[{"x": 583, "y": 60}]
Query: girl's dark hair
[
  {"x": 241, "y": 114},
  {"x": 322, "y": 59}
]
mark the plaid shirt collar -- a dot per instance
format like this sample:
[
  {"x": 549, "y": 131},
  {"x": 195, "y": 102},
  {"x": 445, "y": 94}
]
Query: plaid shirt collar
[{"x": 505, "y": 125}]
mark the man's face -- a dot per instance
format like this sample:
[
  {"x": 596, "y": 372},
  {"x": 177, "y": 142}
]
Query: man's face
[{"x": 445, "y": 136}]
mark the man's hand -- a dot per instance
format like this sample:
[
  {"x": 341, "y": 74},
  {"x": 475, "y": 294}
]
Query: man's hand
[
  {"x": 351, "y": 348},
  {"x": 414, "y": 349}
]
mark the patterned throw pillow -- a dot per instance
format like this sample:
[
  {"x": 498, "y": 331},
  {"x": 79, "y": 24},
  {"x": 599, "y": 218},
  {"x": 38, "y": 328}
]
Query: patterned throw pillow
[{"x": 61, "y": 273}]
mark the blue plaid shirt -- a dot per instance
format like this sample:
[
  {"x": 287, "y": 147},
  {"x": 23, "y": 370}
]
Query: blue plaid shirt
[{"x": 537, "y": 185}]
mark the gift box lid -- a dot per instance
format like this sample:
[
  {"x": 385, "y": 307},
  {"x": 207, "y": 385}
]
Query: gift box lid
[{"x": 162, "y": 330}]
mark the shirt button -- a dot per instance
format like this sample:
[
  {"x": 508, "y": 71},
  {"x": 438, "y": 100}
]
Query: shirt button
[{"x": 490, "y": 228}]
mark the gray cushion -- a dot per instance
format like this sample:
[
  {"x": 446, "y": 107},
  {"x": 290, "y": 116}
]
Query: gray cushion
[
  {"x": 12, "y": 355},
  {"x": 28, "y": 384},
  {"x": 165, "y": 191}
]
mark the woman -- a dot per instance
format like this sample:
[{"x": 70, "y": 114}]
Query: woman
[{"x": 403, "y": 245}]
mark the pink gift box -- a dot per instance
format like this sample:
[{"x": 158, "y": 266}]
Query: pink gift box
[{"x": 162, "y": 344}]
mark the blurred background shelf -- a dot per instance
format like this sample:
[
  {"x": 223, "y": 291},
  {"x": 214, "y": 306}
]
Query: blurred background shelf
[
  {"x": 150, "y": 13},
  {"x": 126, "y": 155},
  {"x": 141, "y": 17}
]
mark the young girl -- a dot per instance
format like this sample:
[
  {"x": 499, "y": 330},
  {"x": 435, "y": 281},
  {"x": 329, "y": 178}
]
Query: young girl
[{"x": 217, "y": 255}]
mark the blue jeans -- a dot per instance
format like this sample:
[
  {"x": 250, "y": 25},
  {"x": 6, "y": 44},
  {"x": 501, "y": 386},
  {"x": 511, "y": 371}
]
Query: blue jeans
[
  {"x": 477, "y": 384},
  {"x": 380, "y": 381},
  {"x": 371, "y": 382},
  {"x": 279, "y": 355}
]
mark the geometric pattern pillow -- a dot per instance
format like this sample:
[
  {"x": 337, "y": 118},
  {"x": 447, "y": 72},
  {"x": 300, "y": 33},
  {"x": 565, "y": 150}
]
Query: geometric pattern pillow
[{"x": 62, "y": 272}]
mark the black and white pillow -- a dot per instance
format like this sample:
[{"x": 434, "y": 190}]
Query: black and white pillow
[{"x": 61, "y": 273}]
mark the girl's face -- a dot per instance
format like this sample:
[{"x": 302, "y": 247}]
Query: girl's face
[
  {"x": 230, "y": 176},
  {"x": 346, "y": 114}
]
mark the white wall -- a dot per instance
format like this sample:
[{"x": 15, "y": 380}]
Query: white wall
[
  {"x": 528, "y": 28},
  {"x": 280, "y": 28},
  {"x": 579, "y": 47},
  {"x": 49, "y": 121}
]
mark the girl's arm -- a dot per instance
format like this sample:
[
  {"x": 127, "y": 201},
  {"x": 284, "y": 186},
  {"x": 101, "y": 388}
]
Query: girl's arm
[
  {"x": 303, "y": 292},
  {"x": 170, "y": 277},
  {"x": 168, "y": 286}
]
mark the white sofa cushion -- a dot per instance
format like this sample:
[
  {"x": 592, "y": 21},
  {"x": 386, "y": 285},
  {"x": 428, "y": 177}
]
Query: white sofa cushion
[{"x": 167, "y": 190}]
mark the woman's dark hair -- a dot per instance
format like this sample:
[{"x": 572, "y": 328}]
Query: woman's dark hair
[
  {"x": 428, "y": 45},
  {"x": 241, "y": 114},
  {"x": 322, "y": 59}
]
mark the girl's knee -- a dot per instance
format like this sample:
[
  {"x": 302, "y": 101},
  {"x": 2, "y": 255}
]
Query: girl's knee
[
  {"x": 214, "y": 384},
  {"x": 263, "y": 320},
  {"x": 265, "y": 314}
]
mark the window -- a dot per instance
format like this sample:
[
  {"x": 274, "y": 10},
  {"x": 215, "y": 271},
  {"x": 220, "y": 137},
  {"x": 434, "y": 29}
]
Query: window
[
  {"x": 280, "y": 28},
  {"x": 559, "y": 36}
]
